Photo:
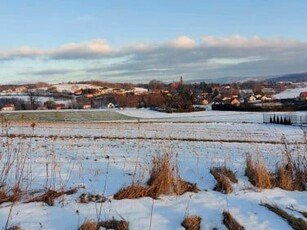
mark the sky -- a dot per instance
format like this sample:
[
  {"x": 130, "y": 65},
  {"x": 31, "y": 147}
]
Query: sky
[{"x": 139, "y": 40}]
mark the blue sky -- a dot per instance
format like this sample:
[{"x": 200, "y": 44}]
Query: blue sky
[{"x": 67, "y": 40}]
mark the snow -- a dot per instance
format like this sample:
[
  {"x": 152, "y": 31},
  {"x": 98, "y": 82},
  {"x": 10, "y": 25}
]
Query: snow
[
  {"x": 290, "y": 93},
  {"x": 77, "y": 155}
]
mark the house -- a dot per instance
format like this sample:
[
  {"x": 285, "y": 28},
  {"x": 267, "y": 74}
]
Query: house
[
  {"x": 303, "y": 96},
  {"x": 20, "y": 89},
  {"x": 8, "y": 107},
  {"x": 87, "y": 106},
  {"x": 235, "y": 102},
  {"x": 140, "y": 91},
  {"x": 258, "y": 96},
  {"x": 59, "y": 106},
  {"x": 205, "y": 102},
  {"x": 252, "y": 98},
  {"x": 266, "y": 99},
  {"x": 78, "y": 92}
]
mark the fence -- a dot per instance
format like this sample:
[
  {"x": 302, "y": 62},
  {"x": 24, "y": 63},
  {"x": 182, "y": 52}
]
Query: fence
[{"x": 286, "y": 119}]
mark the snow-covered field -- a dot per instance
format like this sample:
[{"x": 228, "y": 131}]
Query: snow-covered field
[
  {"x": 102, "y": 157},
  {"x": 291, "y": 93}
]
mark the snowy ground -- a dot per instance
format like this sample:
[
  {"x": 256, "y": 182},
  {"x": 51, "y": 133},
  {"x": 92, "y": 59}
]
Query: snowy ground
[
  {"x": 104, "y": 157},
  {"x": 291, "y": 93}
]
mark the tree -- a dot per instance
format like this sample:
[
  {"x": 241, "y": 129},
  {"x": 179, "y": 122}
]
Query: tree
[
  {"x": 155, "y": 84},
  {"x": 33, "y": 100}
]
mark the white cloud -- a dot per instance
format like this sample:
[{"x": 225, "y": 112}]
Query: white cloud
[
  {"x": 237, "y": 41},
  {"x": 91, "y": 49},
  {"x": 183, "y": 42}
]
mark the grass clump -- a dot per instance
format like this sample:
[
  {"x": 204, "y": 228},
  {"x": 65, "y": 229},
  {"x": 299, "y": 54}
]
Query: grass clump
[
  {"x": 114, "y": 224},
  {"x": 109, "y": 224},
  {"x": 292, "y": 174},
  {"x": 230, "y": 222},
  {"x": 224, "y": 177},
  {"x": 163, "y": 180},
  {"x": 131, "y": 192},
  {"x": 191, "y": 223},
  {"x": 50, "y": 195},
  {"x": 88, "y": 225},
  {"x": 295, "y": 223},
  {"x": 258, "y": 174}
]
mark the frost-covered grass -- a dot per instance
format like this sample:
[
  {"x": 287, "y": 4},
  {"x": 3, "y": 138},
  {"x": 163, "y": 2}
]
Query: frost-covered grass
[{"x": 101, "y": 158}]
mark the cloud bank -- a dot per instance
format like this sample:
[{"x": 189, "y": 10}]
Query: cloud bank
[{"x": 210, "y": 57}]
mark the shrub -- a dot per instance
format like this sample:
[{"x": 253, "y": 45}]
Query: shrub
[
  {"x": 163, "y": 180},
  {"x": 191, "y": 223}
]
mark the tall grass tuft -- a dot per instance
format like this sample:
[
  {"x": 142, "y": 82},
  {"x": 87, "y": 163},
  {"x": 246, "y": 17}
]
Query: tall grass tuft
[
  {"x": 164, "y": 180},
  {"x": 258, "y": 174}
]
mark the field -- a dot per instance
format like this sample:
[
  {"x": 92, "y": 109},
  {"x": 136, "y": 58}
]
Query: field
[{"x": 97, "y": 153}]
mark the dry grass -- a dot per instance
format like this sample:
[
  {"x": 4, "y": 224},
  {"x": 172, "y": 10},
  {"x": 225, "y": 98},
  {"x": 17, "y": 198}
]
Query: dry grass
[
  {"x": 131, "y": 192},
  {"x": 191, "y": 223},
  {"x": 15, "y": 227},
  {"x": 292, "y": 174},
  {"x": 9, "y": 198},
  {"x": 88, "y": 225},
  {"x": 164, "y": 180},
  {"x": 295, "y": 223},
  {"x": 284, "y": 178},
  {"x": 258, "y": 174},
  {"x": 110, "y": 224},
  {"x": 114, "y": 224},
  {"x": 224, "y": 177},
  {"x": 230, "y": 222},
  {"x": 50, "y": 195}
]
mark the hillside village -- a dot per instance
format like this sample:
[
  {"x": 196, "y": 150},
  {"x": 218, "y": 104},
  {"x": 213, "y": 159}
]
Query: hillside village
[{"x": 173, "y": 97}]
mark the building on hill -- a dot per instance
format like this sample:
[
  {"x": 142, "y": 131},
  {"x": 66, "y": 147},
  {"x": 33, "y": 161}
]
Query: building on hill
[{"x": 303, "y": 96}]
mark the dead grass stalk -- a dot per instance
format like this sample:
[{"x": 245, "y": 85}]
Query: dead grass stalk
[
  {"x": 230, "y": 222},
  {"x": 295, "y": 223}
]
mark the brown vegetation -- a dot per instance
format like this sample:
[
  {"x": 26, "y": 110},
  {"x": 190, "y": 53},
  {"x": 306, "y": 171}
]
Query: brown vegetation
[
  {"x": 191, "y": 223},
  {"x": 295, "y": 223},
  {"x": 88, "y": 225},
  {"x": 110, "y": 224},
  {"x": 224, "y": 177},
  {"x": 131, "y": 192},
  {"x": 230, "y": 222},
  {"x": 15, "y": 227},
  {"x": 114, "y": 224},
  {"x": 292, "y": 174},
  {"x": 258, "y": 174},
  {"x": 49, "y": 196},
  {"x": 164, "y": 180}
]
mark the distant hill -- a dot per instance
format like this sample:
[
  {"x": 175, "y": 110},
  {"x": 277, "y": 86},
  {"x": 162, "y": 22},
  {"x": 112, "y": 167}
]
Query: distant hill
[{"x": 294, "y": 77}]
